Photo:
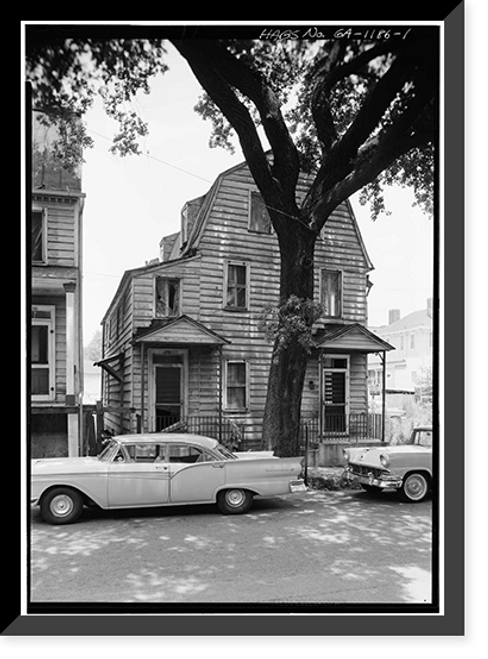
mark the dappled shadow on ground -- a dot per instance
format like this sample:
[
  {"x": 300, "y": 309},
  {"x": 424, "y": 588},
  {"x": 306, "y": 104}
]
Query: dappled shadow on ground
[{"x": 316, "y": 546}]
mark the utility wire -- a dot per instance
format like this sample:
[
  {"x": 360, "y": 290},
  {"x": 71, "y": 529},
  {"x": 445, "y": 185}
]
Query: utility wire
[{"x": 185, "y": 171}]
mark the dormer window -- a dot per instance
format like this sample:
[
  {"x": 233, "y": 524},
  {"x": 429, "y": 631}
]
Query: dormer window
[{"x": 167, "y": 293}]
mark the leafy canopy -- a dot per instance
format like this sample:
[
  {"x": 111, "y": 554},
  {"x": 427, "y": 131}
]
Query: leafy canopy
[{"x": 375, "y": 98}]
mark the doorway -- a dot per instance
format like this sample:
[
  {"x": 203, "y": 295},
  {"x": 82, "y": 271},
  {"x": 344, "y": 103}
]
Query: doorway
[
  {"x": 168, "y": 396},
  {"x": 335, "y": 393}
]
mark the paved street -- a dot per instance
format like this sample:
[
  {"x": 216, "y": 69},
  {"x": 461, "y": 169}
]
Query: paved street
[{"x": 320, "y": 547}]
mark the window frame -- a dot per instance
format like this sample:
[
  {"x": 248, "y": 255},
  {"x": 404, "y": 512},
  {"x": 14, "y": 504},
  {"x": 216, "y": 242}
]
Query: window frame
[
  {"x": 245, "y": 386},
  {"x": 255, "y": 195},
  {"x": 50, "y": 323},
  {"x": 340, "y": 295},
  {"x": 228, "y": 265},
  {"x": 167, "y": 279},
  {"x": 43, "y": 212}
]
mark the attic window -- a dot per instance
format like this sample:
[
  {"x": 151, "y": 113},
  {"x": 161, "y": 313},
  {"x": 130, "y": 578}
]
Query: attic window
[
  {"x": 167, "y": 302},
  {"x": 259, "y": 220}
]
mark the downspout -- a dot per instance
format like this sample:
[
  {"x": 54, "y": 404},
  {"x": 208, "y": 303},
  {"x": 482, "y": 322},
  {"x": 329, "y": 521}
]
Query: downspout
[
  {"x": 221, "y": 391},
  {"x": 383, "y": 399},
  {"x": 143, "y": 384},
  {"x": 81, "y": 355}
]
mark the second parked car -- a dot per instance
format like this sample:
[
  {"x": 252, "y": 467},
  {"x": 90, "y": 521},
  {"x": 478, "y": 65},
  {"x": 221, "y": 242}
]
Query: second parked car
[{"x": 406, "y": 468}]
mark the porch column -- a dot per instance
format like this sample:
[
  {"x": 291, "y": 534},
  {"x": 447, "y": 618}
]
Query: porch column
[
  {"x": 73, "y": 435},
  {"x": 221, "y": 390},
  {"x": 383, "y": 399}
]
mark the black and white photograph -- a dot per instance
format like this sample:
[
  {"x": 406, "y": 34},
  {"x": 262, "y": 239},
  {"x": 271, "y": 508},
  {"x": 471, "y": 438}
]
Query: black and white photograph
[{"x": 235, "y": 311}]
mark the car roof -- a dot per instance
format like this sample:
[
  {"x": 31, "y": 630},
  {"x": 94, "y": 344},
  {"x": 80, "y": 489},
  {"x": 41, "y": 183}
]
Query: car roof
[{"x": 173, "y": 438}]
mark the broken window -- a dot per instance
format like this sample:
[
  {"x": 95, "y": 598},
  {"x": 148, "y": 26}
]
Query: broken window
[{"x": 167, "y": 297}]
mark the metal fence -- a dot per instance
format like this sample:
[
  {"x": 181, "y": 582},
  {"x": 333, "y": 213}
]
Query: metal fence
[{"x": 352, "y": 428}]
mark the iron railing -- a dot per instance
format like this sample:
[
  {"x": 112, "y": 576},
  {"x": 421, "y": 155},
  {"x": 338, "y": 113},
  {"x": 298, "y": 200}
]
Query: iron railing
[{"x": 333, "y": 428}]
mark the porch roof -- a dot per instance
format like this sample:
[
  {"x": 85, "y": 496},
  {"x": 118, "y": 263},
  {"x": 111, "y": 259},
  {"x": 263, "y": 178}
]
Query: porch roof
[
  {"x": 179, "y": 331},
  {"x": 353, "y": 337}
]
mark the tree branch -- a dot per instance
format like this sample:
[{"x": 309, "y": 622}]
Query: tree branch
[
  {"x": 207, "y": 73},
  {"x": 215, "y": 67}
]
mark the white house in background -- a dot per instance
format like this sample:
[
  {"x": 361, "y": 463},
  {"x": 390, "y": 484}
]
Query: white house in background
[
  {"x": 412, "y": 357},
  {"x": 55, "y": 364}
]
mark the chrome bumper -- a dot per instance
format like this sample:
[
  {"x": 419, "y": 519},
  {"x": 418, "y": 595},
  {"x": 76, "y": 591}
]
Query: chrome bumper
[
  {"x": 386, "y": 480},
  {"x": 298, "y": 486}
]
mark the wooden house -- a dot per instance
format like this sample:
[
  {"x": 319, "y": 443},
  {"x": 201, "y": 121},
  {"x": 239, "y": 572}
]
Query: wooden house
[
  {"x": 183, "y": 341},
  {"x": 55, "y": 360}
]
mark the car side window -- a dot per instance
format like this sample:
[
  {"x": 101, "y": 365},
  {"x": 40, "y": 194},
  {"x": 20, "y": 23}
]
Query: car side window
[
  {"x": 179, "y": 453},
  {"x": 424, "y": 438},
  {"x": 120, "y": 456},
  {"x": 143, "y": 453}
]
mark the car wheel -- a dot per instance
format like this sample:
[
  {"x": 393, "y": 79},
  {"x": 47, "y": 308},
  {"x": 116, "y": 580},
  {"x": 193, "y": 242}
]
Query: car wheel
[
  {"x": 414, "y": 488},
  {"x": 61, "y": 505},
  {"x": 234, "y": 501}
]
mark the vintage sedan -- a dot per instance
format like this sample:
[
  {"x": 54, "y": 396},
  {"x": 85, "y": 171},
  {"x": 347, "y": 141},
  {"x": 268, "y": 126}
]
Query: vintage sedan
[
  {"x": 153, "y": 470},
  {"x": 406, "y": 468}
]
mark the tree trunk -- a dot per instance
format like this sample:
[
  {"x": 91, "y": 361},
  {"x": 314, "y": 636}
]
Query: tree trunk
[{"x": 281, "y": 423}]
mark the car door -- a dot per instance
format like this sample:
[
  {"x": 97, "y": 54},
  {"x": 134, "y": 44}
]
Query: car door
[
  {"x": 138, "y": 476},
  {"x": 195, "y": 474}
]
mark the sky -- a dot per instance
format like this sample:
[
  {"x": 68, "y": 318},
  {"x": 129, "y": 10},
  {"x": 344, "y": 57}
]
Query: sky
[{"x": 132, "y": 202}]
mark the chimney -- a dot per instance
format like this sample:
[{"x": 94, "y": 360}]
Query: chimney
[{"x": 393, "y": 316}]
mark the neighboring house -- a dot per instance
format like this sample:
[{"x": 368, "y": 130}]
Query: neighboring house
[
  {"x": 411, "y": 361},
  {"x": 55, "y": 362},
  {"x": 182, "y": 340}
]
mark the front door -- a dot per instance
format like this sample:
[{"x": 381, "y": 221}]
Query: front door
[
  {"x": 335, "y": 394},
  {"x": 168, "y": 395}
]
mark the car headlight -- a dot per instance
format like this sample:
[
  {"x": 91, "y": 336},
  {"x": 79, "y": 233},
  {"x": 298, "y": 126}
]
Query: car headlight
[
  {"x": 385, "y": 461},
  {"x": 346, "y": 454}
]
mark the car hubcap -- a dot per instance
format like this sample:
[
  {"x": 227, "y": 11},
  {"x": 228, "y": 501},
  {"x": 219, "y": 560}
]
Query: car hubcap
[
  {"x": 416, "y": 487},
  {"x": 235, "y": 497},
  {"x": 61, "y": 505}
]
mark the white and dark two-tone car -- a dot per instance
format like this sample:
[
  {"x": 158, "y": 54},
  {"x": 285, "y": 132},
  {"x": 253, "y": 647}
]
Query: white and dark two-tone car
[
  {"x": 136, "y": 471},
  {"x": 406, "y": 468}
]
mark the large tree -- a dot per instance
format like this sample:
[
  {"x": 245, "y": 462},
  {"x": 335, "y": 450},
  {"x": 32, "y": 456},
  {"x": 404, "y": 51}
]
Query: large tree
[{"x": 354, "y": 115}]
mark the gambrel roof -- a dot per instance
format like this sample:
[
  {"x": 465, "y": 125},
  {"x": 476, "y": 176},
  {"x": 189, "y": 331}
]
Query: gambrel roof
[{"x": 208, "y": 199}]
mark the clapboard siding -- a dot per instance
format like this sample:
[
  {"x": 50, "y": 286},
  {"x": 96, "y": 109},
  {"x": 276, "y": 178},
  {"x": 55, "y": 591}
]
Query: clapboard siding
[{"x": 61, "y": 235}]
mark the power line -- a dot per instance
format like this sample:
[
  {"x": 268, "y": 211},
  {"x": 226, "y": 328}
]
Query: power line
[
  {"x": 185, "y": 171},
  {"x": 163, "y": 162}
]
